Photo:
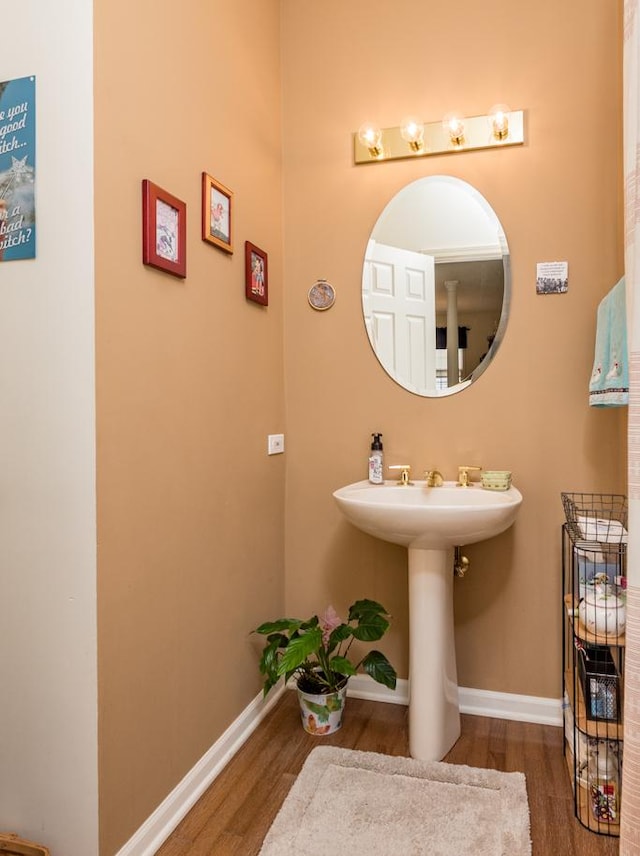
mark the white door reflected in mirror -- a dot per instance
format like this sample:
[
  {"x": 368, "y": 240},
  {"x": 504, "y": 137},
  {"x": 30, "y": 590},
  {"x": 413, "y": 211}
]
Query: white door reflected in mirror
[{"x": 398, "y": 297}]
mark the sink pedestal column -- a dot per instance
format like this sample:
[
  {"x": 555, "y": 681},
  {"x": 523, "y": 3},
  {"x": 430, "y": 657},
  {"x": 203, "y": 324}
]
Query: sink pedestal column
[{"x": 434, "y": 716}]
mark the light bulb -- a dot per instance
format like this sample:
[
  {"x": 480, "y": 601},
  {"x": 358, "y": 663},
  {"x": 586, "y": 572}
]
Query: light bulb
[
  {"x": 371, "y": 137},
  {"x": 499, "y": 115},
  {"x": 412, "y": 130},
  {"x": 454, "y": 126}
]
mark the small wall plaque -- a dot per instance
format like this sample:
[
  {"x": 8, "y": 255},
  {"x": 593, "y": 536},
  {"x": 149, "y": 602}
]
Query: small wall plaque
[
  {"x": 322, "y": 295},
  {"x": 552, "y": 277}
]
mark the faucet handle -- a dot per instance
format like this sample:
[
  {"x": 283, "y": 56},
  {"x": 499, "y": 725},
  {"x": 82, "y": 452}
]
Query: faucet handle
[
  {"x": 405, "y": 469},
  {"x": 463, "y": 475}
]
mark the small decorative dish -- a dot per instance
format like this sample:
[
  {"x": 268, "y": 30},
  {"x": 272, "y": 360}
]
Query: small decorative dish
[
  {"x": 496, "y": 479},
  {"x": 322, "y": 295}
]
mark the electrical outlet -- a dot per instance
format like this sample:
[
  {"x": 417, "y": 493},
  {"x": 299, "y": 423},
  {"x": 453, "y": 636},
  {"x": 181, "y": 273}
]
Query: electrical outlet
[{"x": 275, "y": 444}]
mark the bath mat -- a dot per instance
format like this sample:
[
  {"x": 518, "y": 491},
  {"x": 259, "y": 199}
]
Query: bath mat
[{"x": 346, "y": 802}]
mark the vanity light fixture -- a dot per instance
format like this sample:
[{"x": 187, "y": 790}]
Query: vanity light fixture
[
  {"x": 454, "y": 126},
  {"x": 370, "y": 136},
  {"x": 454, "y": 134},
  {"x": 499, "y": 115},
  {"x": 412, "y": 131}
]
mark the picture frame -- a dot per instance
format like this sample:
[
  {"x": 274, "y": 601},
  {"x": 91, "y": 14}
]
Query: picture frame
[
  {"x": 256, "y": 266},
  {"x": 217, "y": 213},
  {"x": 164, "y": 230}
]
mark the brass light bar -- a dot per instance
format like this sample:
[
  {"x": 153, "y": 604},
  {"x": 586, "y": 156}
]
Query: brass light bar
[{"x": 478, "y": 132}]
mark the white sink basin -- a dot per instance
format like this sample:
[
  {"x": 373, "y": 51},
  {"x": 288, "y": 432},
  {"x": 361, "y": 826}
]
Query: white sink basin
[
  {"x": 430, "y": 521},
  {"x": 431, "y": 518}
]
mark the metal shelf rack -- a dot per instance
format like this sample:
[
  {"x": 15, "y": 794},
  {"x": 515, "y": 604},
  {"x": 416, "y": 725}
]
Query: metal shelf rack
[{"x": 594, "y": 572}]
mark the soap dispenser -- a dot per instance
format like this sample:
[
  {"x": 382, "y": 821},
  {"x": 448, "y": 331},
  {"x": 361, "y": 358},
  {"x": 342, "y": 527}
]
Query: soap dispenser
[{"x": 376, "y": 474}]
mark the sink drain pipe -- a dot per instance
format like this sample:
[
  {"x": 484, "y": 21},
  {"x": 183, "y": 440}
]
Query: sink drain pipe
[{"x": 460, "y": 562}]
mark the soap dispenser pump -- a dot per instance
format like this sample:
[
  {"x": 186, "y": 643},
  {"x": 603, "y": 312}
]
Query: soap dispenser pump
[{"x": 376, "y": 474}]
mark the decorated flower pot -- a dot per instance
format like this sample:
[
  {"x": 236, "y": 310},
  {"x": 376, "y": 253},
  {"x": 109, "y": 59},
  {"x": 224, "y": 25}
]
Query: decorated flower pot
[{"x": 321, "y": 713}]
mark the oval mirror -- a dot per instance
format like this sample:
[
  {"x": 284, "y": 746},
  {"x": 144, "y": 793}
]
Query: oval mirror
[{"x": 436, "y": 286}]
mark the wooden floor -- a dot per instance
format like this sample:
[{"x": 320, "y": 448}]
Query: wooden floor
[{"x": 233, "y": 816}]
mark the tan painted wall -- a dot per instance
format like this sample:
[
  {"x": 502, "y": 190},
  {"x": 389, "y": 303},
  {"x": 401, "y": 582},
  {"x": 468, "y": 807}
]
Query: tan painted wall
[
  {"x": 558, "y": 198},
  {"x": 191, "y": 378},
  {"x": 189, "y": 384}
]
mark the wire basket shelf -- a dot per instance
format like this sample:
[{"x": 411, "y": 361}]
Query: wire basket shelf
[{"x": 597, "y": 519}]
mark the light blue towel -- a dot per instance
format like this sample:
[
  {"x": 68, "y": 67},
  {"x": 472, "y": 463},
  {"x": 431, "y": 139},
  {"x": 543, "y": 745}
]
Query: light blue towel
[{"x": 609, "y": 385}]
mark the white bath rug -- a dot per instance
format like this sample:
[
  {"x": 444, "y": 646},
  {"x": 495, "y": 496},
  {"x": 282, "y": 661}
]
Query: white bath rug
[{"x": 346, "y": 802}]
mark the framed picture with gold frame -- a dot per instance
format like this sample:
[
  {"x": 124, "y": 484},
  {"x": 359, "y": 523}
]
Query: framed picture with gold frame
[{"x": 217, "y": 213}]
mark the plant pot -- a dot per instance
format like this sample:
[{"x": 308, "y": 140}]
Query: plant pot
[{"x": 321, "y": 713}]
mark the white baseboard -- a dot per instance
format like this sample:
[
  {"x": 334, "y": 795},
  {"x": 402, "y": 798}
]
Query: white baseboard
[
  {"x": 157, "y": 828},
  {"x": 362, "y": 686},
  {"x": 544, "y": 711},
  {"x": 522, "y": 708}
]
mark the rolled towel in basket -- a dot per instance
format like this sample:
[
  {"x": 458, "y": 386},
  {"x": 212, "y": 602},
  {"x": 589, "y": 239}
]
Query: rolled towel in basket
[{"x": 605, "y": 531}]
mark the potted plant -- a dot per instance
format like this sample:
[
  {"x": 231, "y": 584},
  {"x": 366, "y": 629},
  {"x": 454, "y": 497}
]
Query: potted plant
[{"x": 316, "y": 652}]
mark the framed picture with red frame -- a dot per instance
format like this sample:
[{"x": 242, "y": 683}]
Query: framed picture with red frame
[
  {"x": 164, "y": 230},
  {"x": 256, "y": 274}
]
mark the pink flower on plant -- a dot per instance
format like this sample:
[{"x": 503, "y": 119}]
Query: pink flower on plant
[{"x": 328, "y": 622}]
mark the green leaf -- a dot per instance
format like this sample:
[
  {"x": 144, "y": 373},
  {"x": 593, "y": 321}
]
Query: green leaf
[
  {"x": 363, "y": 608},
  {"x": 289, "y": 674},
  {"x": 268, "y": 685},
  {"x": 371, "y": 627},
  {"x": 277, "y": 626},
  {"x": 342, "y": 666},
  {"x": 380, "y": 669},
  {"x": 339, "y": 634},
  {"x": 270, "y": 657},
  {"x": 299, "y": 649}
]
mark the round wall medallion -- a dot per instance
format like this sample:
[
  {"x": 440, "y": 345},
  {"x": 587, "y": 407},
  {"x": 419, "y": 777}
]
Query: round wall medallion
[{"x": 322, "y": 295}]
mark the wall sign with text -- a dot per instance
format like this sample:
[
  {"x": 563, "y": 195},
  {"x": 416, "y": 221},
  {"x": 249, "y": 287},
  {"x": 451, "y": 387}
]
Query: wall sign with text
[{"x": 17, "y": 169}]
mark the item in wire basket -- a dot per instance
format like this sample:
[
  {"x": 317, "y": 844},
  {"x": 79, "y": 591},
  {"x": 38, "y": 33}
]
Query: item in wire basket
[
  {"x": 603, "y": 530},
  {"x": 604, "y": 802},
  {"x": 602, "y": 610},
  {"x": 603, "y": 700},
  {"x": 593, "y": 565},
  {"x": 600, "y": 518},
  {"x": 599, "y": 679},
  {"x": 603, "y": 782}
]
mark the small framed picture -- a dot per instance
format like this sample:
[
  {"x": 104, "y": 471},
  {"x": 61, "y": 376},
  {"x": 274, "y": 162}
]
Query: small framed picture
[
  {"x": 217, "y": 201},
  {"x": 256, "y": 274},
  {"x": 164, "y": 230}
]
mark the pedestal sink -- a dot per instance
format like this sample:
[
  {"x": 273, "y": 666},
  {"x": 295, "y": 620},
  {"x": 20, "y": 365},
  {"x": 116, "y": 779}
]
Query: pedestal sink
[{"x": 430, "y": 522}]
